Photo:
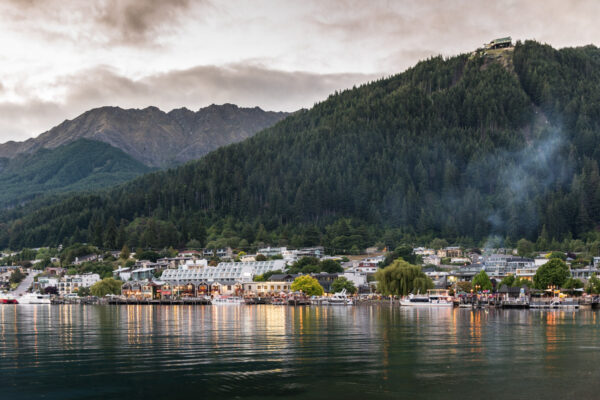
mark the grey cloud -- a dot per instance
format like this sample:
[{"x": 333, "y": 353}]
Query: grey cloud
[
  {"x": 135, "y": 21},
  {"x": 129, "y": 22},
  {"x": 244, "y": 85}
]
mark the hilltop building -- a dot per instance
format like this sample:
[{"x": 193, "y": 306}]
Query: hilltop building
[{"x": 500, "y": 43}]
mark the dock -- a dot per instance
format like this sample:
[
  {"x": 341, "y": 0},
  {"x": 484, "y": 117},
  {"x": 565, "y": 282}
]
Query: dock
[{"x": 161, "y": 302}]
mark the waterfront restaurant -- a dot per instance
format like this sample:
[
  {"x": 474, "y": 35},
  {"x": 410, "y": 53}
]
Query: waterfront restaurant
[
  {"x": 268, "y": 288},
  {"x": 151, "y": 290},
  {"x": 132, "y": 289}
]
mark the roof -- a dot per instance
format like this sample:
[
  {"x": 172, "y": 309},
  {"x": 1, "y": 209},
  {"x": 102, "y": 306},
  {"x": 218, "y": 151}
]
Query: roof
[
  {"x": 143, "y": 270},
  {"x": 282, "y": 277},
  {"x": 502, "y": 40},
  {"x": 513, "y": 290}
]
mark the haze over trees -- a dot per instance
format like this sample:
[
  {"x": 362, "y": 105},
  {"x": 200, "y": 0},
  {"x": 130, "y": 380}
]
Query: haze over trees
[{"x": 466, "y": 149}]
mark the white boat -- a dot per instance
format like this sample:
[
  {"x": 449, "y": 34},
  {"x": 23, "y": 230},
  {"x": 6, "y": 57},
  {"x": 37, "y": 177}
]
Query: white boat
[
  {"x": 338, "y": 299},
  {"x": 34, "y": 298},
  {"x": 433, "y": 298},
  {"x": 228, "y": 301}
]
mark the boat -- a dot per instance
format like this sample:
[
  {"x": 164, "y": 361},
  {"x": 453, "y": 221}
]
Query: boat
[
  {"x": 338, "y": 299},
  {"x": 569, "y": 304},
  {"x": 278, "y": 301},
  {"x": 433, "y": 298},
  {"x": 227, "y": 301},
  {"x": 34, "y": 298},
  {"x": 250, "y": 300},
  {"x": 298, "y": 299},
  {"x": 7, "y": 298}
]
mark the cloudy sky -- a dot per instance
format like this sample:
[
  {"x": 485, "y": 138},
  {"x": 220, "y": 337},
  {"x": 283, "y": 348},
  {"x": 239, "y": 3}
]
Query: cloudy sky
[{"x": 62, "y": 57}]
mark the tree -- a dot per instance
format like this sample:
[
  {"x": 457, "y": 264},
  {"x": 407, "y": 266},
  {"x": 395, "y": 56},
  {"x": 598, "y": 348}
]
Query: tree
[
  {"x": 330, "y": 266},
  {"x": 593, "y": 286},
  {"x": 512, "y": 281},
  {"x": 463, "y": 286},
  {"x": 125, "y": 253},
  {"x": 437, "y": 244},
  {"x": 260, "y": 257},
  {"x": 402, "y": 278},
  {"x": 525, "y": 248},
  {"x": 147, "y": 255},
  {"x": 558, "y": 254},
  {"x": 17, "y": 276},
  {"x": 308, "y": 285},
  {"x": 193, "y": 244},
  {"x": 508, "y": 280},
  {"x": 482, "y": 281},
  {"x": 83, "y": 291},
  {"x": 573, "y": 283},
  {"x": 554, "y": 273},
  {"x": 343, "y": 283},
  {"x": 106, "y": 286},
  {"x": 51, "y": 290}
]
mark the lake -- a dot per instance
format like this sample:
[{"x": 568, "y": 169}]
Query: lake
[{"x": 256, "y": 352}]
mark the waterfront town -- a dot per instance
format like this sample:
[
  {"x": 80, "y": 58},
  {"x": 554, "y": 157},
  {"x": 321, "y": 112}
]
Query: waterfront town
[{"x": 204, "y": 275}]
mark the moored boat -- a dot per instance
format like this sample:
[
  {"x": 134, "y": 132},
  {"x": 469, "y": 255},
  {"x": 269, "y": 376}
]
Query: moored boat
[
  {"x": 227, "y": 301},
  {"x": 298, "y": 299},
  {"x": 433, "y": 298},
  {"x": 34, "y": 298},
  {"x": 7, "y": 298},
  {"x": 338, "y": 299},
  {"x": 252, "y": 300},
  {"x": 278, "y": 301}
]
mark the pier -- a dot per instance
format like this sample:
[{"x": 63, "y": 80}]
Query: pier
[{"x": 190, "y": 301}]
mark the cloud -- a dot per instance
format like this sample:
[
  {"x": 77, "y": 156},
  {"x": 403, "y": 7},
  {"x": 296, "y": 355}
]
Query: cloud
[
  {"x": 62, "y": 57},
  {"x": 134, "y": 21},
  {"x": 241, "y": 84},
  {"x": 126, "y": 22}
]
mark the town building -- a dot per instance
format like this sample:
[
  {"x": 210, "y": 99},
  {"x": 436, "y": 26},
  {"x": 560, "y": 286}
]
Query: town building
[
  {"x": 227, "y": 277},
  {"x": 143, "y": 273},
  {"x": 71, "y": 283},
  {"x": 585, "y": 273},
  {"x": 123, "y": 274},
  {"x": 501, "y": 265},
  {"x": 46, "y": 281},
  {"x": 87, "y": 258},
  {"x": 500, "y": 43},
  {"x": 451, "y": 251},
  {"x": 268, "y": 288},
  {"x": 271, "y": 251},
  {"x": 422, "y": 251}
]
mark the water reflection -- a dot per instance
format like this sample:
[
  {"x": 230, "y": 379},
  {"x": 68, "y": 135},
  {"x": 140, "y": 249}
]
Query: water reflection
[{"x": 135, "y": 352}]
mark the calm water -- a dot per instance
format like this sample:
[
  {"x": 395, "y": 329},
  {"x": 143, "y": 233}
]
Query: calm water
[{"x": 253, "y": 352}]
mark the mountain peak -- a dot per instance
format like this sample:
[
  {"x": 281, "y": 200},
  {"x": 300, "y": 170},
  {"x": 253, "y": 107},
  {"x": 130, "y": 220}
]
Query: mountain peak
[{"x": 153, "y": 136}]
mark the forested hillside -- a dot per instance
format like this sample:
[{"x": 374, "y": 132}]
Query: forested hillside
[
  {"x": 82, "y": 165},
  {"x": 467, "y": 148}
]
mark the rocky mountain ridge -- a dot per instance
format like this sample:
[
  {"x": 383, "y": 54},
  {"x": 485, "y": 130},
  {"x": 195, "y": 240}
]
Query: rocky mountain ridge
[{"x": 152, "y": 136}]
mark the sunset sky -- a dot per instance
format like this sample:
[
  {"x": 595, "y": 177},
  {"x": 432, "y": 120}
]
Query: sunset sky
[{"x": 61, "y": 57}]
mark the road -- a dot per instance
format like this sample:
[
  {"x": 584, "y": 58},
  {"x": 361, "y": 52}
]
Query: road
[{"x": 25, "y": 283}]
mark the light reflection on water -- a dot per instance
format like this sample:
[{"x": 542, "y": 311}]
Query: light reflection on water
[{"x": 139, "y": 352}]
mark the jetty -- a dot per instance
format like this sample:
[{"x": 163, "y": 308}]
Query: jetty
[{"x": 159, "y": 302}]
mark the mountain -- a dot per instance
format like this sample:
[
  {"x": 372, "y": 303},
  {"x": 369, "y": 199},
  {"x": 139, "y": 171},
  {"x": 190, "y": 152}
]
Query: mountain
[
  {"x": 156, "y": 138},
  {"x": 81, "y": 165},
  {"x": 492, "y": 145}
]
